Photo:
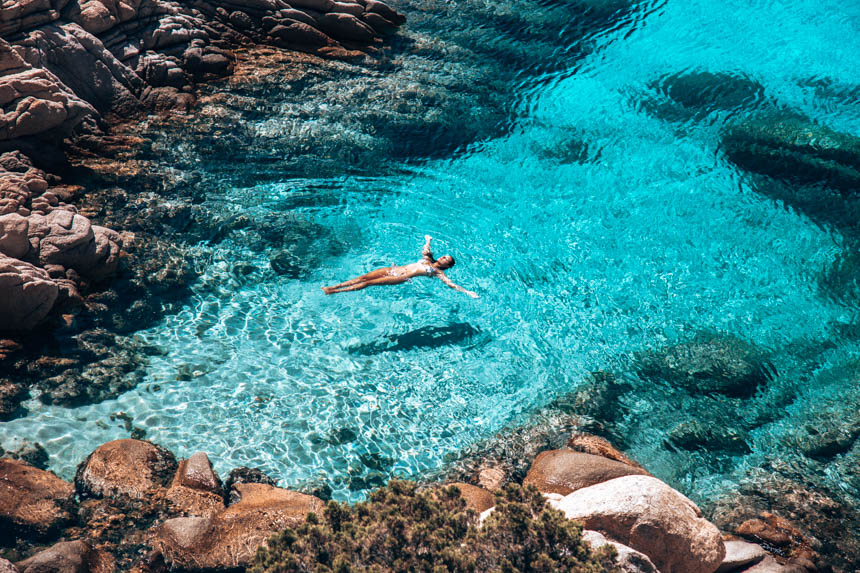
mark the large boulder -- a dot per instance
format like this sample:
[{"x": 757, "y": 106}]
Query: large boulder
[
  {"x": 27, "y": 294},
  {"x": 33, "y": 502},
  {"x": 125, "y": 467},
  {"x": 647, "y": 515},
  {"x": 565, "y": 471},
  {"x": 68, "y": 557},
  {"x": 229, "y": 539},
  {"x": 709, "y": 364}
]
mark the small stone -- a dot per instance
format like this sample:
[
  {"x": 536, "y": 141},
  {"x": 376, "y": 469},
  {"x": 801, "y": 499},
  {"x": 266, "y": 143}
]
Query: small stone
[
  {"x": 196, "y": 472},
  {"x": 741, "y": 554},
  {"x": 492, "y": 478}
]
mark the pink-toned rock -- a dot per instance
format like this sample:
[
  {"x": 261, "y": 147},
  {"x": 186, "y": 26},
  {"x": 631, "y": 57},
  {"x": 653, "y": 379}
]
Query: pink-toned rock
[
  {"x": 27, "y": 294},
  {"x": 492, "y": 478},
  {"x": 125, "y": 467},
  {"x": 628, "y": 560},
  {"x": 564, "y": 471},
  {"x": 34, "y": 100},
  {"x": 33, "y": 501},
  {"x": 647, "y": 515},
  {"x": 740, "y": 555},
  {"x": 230, "y": 538},
  {"x": 7, "y": 567},
  {"x": 13, "y": 235},
  {"x": 68, "y": 557}
]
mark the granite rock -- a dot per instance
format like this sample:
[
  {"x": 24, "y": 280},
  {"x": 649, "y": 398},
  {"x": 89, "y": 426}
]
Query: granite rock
[
  {"x": 33, "y": 502},
  {"x": 649, "y": 516}
]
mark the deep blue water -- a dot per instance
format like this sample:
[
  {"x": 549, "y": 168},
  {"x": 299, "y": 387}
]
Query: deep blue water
[{"x": 598, "y": 227}]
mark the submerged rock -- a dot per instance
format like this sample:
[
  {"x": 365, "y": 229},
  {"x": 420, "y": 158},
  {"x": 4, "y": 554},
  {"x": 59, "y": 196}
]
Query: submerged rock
[
  {"x": 33, "y": 502},
  {"x": 709, "y": 363},
  {"x": 792, "y": 147},
  {"x": 649, "y": 516},
  {"x": 699, "y": 93},
  {"x": 30, "y": 453}
]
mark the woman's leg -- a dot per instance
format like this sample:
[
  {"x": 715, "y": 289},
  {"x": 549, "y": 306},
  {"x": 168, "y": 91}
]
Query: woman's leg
[
  {"x": 366, "y": 277},
  {"x": 385, "y": 280}
]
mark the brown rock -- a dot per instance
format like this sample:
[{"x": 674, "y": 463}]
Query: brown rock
[
  {"x": 27, "y": 294},
  {"x": 647, "y": 515},
  {"x": 68, "y": 557},
  {"x": 597, "y": 446},
  {"x": 477, "y": 499},
  {"x": 230, "y": 538},
  {"x": 763, "y": 531},
  {"x": 7, "y": 567},
  {"x": 125, "y": 467},
  {"x": 33, "y": 501},
  {"x": 196, "y": 472},
  {"x": 565, "y": 471},
  {"x": 196, "y": 488}
]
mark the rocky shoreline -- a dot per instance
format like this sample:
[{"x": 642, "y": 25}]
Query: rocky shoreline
[
  {"x": 111, "y": 95},
  {"x": 132, "y": 506}
]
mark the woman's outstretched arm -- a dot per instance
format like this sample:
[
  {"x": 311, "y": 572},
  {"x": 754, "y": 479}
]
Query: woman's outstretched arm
[
  {"x": 454, "y": 285},
  {"x": 426, "y": 253}
]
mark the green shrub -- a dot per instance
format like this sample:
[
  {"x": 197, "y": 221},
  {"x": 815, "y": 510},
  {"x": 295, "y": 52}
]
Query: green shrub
[{"x": 402, "y": 528}]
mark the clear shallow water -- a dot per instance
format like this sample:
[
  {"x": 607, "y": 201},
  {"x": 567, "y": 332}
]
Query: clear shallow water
[{"x": 594, "y": 230}]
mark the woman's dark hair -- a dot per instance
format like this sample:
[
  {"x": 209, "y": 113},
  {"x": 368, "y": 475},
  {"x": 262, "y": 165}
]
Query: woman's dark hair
[{"x": 445, "y": 261}]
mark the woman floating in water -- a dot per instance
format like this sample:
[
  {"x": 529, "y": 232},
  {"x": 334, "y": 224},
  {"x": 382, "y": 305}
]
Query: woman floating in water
[{"x": 426, "y": 267}]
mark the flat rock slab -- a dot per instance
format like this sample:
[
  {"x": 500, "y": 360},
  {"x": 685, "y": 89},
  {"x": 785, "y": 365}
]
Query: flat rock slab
[
  {"x": 741, "y": 554},
  {"x": 565, "y": 471},
  {"x": 33, "y": 501},
  {"x": 647, "y": 515}
]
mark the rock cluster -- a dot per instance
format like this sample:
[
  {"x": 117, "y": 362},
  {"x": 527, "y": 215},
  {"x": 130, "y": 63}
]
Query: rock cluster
[
  {"x": 47, "y": 249},
  {"x": 137, "y": 507},
  {"x": 63, "y": 61}
]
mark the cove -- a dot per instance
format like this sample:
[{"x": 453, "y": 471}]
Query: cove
[{"x": 605, "y": 223}]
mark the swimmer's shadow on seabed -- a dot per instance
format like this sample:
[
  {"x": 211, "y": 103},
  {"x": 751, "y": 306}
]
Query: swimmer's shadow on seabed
[{"x": 461, "y": 333}]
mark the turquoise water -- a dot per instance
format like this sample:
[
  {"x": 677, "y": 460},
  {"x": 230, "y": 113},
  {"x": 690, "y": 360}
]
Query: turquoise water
[{"x": 595, "y": 229}]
